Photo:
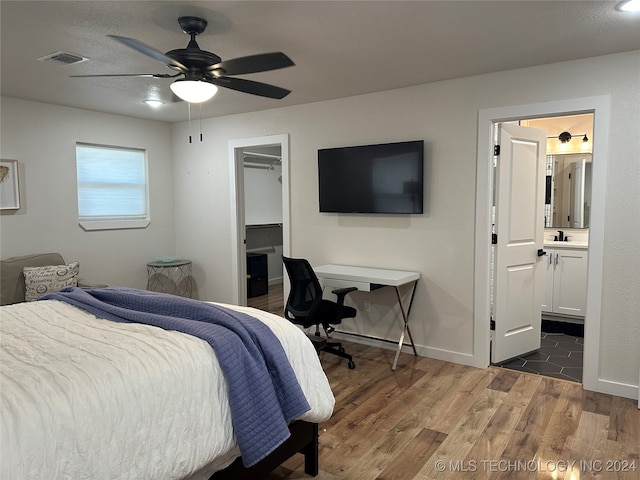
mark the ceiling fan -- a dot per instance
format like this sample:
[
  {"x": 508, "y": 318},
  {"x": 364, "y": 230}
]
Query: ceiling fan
[{"x": 202, "y": 72}]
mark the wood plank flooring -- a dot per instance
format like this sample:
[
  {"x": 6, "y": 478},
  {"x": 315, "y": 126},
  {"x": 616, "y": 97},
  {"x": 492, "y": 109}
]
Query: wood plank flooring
[
  {"x": 272, "y": 302},
  {"x": 437, "y": 420}
]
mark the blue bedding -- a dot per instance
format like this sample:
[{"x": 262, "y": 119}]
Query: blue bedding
[{"x": 264, "y": 394}]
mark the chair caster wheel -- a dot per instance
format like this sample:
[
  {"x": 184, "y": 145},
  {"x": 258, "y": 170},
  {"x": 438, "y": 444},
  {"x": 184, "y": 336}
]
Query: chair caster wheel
[{"x": 351, "y": 365}]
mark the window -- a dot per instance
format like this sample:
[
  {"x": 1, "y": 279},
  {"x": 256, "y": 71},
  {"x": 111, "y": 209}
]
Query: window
[{"x": 112, "y": 187}]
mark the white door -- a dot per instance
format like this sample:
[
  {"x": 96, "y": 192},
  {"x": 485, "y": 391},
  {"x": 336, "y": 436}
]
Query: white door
[{"x": 519, "y": 270}]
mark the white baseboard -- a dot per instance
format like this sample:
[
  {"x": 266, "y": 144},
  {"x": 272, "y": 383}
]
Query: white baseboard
[
  {"x": 619, "y": 389},
  {"x": 429, "y": 352},
  {"x": 603, "y": 386}
]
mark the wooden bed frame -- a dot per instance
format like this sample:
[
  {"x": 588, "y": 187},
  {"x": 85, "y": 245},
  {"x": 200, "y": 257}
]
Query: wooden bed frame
[{"x": 303, "y": 439}]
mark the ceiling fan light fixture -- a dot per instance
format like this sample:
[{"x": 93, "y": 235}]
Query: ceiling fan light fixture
[
  {"x": 629, "y": 6},
  {"x": 193, "y": 91}
]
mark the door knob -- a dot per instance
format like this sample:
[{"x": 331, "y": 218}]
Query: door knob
[{"x": 541, "y": 252}]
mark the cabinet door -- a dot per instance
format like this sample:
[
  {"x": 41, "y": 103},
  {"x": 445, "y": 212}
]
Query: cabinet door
[
  {"x": 570, "y": 282},
  {"x": 549, "y": 264}
]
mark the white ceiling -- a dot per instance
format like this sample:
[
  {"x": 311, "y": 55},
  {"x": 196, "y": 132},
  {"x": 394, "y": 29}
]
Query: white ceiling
[{"x": 341, "y": 48}]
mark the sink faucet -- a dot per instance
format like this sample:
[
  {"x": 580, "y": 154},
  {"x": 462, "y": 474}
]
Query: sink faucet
[{"x": 560, "y": 235}]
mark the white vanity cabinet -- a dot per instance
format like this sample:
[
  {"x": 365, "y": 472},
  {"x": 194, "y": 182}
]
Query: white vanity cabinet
[{"x": 566, "y": 281}]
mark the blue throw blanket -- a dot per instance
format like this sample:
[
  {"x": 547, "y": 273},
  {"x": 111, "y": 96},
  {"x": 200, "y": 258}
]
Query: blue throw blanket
[{"x": 264, "y": 394}]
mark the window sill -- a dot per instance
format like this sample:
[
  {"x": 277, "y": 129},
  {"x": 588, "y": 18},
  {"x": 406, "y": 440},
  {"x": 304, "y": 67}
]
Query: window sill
[{"x": 91, "y": 225}]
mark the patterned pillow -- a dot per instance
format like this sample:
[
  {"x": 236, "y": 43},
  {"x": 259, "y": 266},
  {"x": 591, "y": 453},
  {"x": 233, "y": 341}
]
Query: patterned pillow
[{"x": 49, "y": 279}]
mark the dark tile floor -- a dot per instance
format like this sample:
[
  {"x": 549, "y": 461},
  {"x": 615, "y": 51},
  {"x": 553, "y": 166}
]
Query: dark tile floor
[{"x": 559, "y": 356}]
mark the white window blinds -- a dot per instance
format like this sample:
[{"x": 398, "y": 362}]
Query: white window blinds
[{"x": 112, "y": 187}]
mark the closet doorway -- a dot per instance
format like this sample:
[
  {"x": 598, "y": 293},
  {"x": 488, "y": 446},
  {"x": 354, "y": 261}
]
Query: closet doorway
[
  {"x": 260, "y": 219},
  {"x": 263, "y": 227}
]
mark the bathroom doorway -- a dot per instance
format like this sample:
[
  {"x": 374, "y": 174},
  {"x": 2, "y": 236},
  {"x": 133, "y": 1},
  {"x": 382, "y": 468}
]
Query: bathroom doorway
[
  {"x": 600, "y": 107},
  {"x": 567, "y": 204}
]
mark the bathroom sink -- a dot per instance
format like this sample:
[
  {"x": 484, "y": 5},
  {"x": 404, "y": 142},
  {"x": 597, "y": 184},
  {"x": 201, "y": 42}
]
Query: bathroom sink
[{"x": 564, "y": 244}]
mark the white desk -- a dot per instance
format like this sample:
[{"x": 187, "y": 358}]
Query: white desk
[{"x": 368, "y": 279}]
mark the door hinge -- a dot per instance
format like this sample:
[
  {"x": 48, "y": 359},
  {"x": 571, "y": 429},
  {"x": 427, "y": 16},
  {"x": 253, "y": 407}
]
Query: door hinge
[
  {"x": 494, "y": 239},
  {"x": 492, "y": 324},
  {"x": 496, "y": 150}
]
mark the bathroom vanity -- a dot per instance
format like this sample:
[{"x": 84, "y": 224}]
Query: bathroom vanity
[{"x": 566, "y": 280}]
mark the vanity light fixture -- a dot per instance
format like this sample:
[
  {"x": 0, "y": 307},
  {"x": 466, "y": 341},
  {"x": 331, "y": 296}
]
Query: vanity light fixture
[{"x": 565, "y": 137}]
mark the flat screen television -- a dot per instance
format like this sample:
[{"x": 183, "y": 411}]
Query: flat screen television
[{"x": 383, "y": 178}]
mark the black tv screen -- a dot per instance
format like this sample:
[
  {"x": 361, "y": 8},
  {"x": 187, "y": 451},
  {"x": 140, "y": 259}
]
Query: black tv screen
[{"x": 383, "y": 178}]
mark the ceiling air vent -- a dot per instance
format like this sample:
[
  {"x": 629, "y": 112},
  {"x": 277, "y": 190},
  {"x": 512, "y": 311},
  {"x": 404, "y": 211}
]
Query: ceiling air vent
[{"x": 63, "y": 58}]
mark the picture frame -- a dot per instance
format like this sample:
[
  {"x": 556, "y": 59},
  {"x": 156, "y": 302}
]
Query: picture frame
[{"x": 9, "y": 185}]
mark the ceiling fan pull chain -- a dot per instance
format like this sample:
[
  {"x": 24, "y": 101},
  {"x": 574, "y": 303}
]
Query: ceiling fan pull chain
[
  {"x": 189, "y": 104},
  {"x": 200, "y": 120}
]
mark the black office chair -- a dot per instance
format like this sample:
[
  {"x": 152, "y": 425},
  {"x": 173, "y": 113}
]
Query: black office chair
[{"x": 306, "y": 307}]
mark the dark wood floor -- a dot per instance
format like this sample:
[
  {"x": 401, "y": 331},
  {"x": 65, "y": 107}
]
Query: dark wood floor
[
  {"x": 272, "y": 302},
  {"x": 433, "y": 420}
]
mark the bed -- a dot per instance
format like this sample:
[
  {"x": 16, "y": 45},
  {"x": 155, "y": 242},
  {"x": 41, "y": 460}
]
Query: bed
[{"x": 88, "y": 397}]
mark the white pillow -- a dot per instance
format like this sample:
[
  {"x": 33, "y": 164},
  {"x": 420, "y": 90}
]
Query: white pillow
[{"x": 49, "y": 279}]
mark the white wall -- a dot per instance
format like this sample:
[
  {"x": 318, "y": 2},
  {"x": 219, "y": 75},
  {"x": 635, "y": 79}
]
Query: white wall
[
  {"x": 43, "y": 138},
  {"x": 440, "y": 243}
]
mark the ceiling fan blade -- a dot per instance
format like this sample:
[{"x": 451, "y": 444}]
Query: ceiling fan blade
[
  {"x": 146, "y": 75},
  {"x": 249, "y": 86},
  {"x": 253, "y": 63},
  {"x": 149, "y": 51}
]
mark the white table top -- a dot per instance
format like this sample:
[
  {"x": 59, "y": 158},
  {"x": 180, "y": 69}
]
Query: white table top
[{"x": 379, "y": 276}]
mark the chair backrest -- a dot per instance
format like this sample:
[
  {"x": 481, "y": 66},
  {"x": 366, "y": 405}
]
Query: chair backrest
[
  {"x": 12, "y": 284},
  {"x": 305, "y": 296}
]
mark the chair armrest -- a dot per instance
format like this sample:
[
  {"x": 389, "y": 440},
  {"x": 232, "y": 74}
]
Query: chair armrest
[
  {"x": 340, "y": 293},
  {"x": 343, "y": 291},
  {"x": 87, "y": 284}
]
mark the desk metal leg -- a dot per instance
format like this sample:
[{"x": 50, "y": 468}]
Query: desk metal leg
[{"x": 405, "y": 327}]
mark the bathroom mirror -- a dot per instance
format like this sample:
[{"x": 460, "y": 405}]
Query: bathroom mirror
[{"x": 568, "y": 190}]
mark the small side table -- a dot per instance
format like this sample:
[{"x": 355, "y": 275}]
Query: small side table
[{"x": 170, "y": 277}]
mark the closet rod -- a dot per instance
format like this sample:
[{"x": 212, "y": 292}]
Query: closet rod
[
  {"x": 261, "y": 166},
  {"x": 264, "y": 225}
]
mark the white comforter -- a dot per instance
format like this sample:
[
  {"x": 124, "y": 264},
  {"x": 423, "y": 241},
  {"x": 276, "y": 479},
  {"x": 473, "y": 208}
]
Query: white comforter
[{"x": 85, "y": 398}]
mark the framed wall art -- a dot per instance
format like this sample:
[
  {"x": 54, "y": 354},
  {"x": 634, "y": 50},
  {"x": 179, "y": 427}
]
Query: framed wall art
[{"x": 9, "y": 185}]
